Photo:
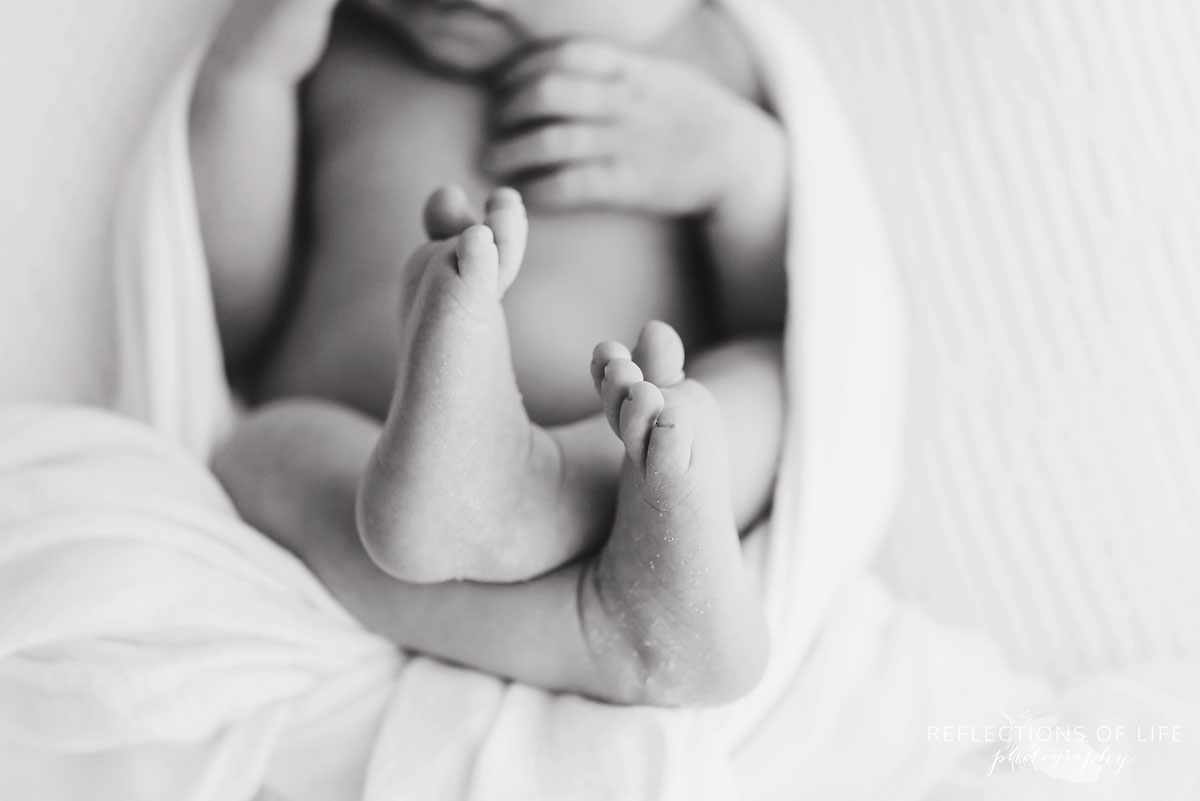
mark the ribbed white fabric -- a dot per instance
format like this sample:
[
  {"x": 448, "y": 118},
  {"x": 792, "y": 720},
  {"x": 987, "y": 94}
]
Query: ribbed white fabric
[{"x": 1038, "y": 164}]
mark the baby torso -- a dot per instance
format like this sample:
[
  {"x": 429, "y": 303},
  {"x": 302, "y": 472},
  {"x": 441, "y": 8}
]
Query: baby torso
[{"x": 381, "y": 134}]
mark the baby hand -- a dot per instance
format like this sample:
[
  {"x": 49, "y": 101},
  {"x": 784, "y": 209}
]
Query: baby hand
[{"x": 598, "y": 126}]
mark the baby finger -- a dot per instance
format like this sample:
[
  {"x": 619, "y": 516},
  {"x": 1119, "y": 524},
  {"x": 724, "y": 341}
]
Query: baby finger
[
  {"x": 548, "y": 146},
  {"x": 560, "y": 96},
  {"x": 587, "y": 185}
]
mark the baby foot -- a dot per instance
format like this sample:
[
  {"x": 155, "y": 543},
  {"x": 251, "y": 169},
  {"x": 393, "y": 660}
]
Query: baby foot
[
  {"x": 460, "y": 470},
  {"x": 669, "y": 588}
]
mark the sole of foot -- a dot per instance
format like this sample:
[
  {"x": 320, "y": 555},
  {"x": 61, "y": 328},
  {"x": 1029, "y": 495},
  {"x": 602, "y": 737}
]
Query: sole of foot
[
  {"x": 460, "y": 475},
  {"x": 666, "y": 605}
]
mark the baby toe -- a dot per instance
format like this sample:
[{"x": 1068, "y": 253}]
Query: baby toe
[
  {"x": 638, "y": 412},
  {"x": 604, "y": 353},
  {"x": 669, "y": 454},
  {"x": 448, "y": 213},
  {"x": 510, "y": 225},
  {"x": 660, "y": 354},
  {"x": 478, "y": 260},
  {"x": 619, "y": 376},
  {"x": 504, "y": 197}
]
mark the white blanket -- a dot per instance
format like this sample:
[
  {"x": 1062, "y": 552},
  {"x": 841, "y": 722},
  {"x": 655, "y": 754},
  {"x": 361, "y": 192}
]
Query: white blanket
[{"x": 152, "y": 646}]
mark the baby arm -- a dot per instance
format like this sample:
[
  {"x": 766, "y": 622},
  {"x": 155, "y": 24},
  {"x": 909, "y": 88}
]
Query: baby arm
[
  {"x": 244, "y": 138},
  {"x": 746, "y": 229},
  {"x": 598, "y": 126}
]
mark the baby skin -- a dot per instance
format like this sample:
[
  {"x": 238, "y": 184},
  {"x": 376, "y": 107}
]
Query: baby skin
[
  {"x": 444, "y": 465},
  {"x": 463, "y": 485}
]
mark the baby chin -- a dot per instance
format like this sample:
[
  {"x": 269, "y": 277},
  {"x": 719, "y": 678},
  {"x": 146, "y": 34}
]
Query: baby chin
[{"x": 459, "y": 37}]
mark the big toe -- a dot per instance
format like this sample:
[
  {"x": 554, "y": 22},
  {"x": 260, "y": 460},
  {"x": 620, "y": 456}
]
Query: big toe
[
  {"x": 507, "y": 218},
  {"x": 448, "y": 213},
  {"x": 659, "y": 352},
  {"x": 504, "y": 198}
]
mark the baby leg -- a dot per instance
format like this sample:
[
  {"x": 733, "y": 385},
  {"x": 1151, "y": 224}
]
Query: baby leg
[
  {"x": 293, "y": 469},
  {"x": 745, "y": 376}
]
